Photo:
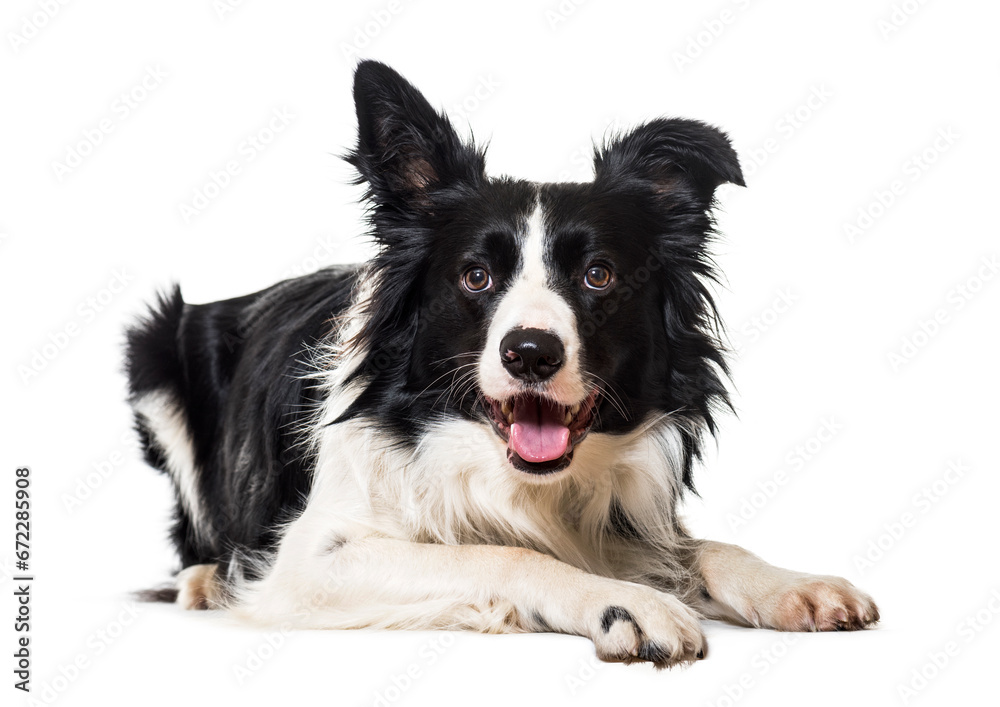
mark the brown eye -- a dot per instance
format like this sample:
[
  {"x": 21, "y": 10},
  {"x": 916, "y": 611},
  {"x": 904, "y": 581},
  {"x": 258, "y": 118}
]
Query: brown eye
[
  {"x": 476, "y": 279},
  {"x": 598, "y": 277}
]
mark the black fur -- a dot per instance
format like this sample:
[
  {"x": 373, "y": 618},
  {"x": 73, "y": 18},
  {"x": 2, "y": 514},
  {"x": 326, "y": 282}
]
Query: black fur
[
  {"x": 240, "y": 368},
  {"x": 335, "y": 543},
  {"x": 237, "y": 367},
  {"x": 166, "y": 595},
  {"x": 616, "y": 613}
]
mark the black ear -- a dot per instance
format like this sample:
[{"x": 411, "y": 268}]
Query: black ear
[
  {"x": 672, "y": 154},
  {"x": 405, "y": 149}
]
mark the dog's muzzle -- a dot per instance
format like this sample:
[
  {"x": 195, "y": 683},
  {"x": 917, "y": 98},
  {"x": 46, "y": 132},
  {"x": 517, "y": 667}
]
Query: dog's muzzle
[{"x": 540, "y": 432}]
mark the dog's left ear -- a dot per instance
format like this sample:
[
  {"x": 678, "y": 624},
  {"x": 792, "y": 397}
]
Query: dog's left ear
[
  {"x": 672, "y": 154},
  {"x": 406, "y": 149}
]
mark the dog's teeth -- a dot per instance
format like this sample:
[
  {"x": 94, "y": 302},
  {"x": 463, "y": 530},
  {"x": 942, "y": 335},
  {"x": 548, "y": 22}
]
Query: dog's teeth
[
  {"x": 510, "y": 418},
  {"x": 568, "y": 419},
  {"x": 575, "y": 409},
  {"x": 505, "y": 408}
]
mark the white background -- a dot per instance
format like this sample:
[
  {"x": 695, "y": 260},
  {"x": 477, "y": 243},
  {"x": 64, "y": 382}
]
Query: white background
[{"x": 886, "y": 81}]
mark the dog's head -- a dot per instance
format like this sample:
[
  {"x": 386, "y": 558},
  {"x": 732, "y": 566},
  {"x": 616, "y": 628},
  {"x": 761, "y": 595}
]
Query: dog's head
[{"x": 548, "y": 311}]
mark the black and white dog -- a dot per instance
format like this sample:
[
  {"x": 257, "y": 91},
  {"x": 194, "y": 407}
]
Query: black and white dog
[{"x": 489, "y": 425}]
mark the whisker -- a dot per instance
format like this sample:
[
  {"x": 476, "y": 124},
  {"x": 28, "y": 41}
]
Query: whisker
[
  {"x": 470, "y": 385},
  {"x": 456, "y": 380},
  {"x": 456, "y": 386},
  {"x": 449, "y": 358},
  {"x": 611, "y": 394},
  {"x": 444, "y": 375}
]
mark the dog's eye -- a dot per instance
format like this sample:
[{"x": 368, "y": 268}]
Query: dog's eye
[
  {"x": 476, "y": 279},
  {"x": 598, "y": 277}
]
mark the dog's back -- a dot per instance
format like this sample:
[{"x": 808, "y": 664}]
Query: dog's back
[{"x": 202, "y": 382}]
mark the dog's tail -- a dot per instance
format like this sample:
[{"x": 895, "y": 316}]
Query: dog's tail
[
  {"x": 152, "y": 356},
  {"x": 166, "y": 595},
  {"x": 152, "y": 363},
  {"x": 157, "y": 384}
]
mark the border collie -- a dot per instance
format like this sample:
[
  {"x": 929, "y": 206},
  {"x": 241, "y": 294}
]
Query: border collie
[{"x": 489, "y": 425}]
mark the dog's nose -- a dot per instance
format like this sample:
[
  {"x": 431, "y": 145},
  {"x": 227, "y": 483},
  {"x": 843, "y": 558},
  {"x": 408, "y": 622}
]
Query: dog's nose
[{"x": 531, "y": 354}]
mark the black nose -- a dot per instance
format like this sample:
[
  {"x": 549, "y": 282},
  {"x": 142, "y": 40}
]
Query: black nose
[{"x": 531, "y": 354}]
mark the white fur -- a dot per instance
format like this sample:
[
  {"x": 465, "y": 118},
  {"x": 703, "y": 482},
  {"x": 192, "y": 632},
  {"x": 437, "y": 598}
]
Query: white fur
[{"x": 166, "y": 423}]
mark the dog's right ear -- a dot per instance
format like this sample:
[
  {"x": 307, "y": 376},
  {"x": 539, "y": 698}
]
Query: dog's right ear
[{"x": 406, "y": 149}]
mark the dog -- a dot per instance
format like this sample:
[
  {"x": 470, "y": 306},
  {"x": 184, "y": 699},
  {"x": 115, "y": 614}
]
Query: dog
[{"x": 489, "y": 425}]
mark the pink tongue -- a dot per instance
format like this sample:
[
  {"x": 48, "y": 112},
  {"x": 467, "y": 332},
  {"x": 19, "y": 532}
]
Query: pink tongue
[{"x": 538, "y": 433}]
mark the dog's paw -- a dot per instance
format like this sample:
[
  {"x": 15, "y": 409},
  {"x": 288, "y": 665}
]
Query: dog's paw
[
  {"x": 815, "y": 603},
  {"x": 648, "y": 626},
  {"x": 196, "y": 587}
]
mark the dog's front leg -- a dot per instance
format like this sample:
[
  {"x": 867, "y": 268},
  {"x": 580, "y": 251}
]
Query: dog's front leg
[
  {"x": 742, "y": 587},
  {"x": 377, "y": 581}
]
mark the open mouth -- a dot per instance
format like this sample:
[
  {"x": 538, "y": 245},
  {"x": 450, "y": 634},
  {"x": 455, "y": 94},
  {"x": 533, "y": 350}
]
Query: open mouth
[{"x": 540, "y": 433}]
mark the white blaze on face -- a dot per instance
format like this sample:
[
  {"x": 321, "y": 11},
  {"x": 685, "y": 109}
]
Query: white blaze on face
[{"x": 531, "y": 303}]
